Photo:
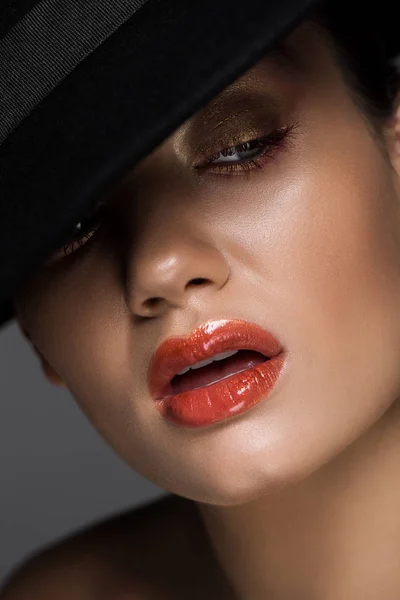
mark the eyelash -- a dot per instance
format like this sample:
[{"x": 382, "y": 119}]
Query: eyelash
[
  {"x": 269, "y": 145},
  {"x": 73, "y": 245}
]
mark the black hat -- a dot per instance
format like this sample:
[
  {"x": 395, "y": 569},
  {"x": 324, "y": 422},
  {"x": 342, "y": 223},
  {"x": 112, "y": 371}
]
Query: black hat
[{"x": 90, "y": 87}]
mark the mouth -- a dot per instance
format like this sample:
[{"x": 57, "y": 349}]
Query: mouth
[
  {"x": 216, "y": 369},
  {"x": 214, "y": 351}
]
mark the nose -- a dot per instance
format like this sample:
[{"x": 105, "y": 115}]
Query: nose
[{"x": 171, "y": 267}]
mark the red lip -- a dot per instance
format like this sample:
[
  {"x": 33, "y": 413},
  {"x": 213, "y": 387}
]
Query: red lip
[{"x": 211, "y": 403}]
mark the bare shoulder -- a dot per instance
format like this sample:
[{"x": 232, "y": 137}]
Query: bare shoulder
[{"x": 157, "y": 550}]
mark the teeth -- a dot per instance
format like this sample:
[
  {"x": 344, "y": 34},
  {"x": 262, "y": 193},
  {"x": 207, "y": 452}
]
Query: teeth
[{"x": 203, "y": 363}]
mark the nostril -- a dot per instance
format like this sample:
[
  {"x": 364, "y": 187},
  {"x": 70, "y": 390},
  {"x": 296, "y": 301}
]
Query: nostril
[
  {"x": 155, "y": 301},
  {"x": 151, "y": 302}
]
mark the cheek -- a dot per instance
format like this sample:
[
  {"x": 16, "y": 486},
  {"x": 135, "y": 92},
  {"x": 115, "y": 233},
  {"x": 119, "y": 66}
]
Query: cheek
[
  {"x": 341, "y": 252},
  {"x": 78, "y": 321}
]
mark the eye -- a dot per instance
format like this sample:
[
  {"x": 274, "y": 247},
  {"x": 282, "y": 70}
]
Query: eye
[
  {"x": 84, "y": 230},
  {"x": 241, "y": 152},
  {"x": 248, "y": 155}
]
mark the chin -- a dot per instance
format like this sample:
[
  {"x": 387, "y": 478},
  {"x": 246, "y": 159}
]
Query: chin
[{"x": 237, "y": 482}]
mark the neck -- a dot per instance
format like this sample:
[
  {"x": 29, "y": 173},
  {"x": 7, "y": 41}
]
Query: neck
[{"x": 332, "y": 536}]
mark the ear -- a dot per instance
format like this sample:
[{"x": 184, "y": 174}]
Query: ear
[{"x": 48, "y": 370}]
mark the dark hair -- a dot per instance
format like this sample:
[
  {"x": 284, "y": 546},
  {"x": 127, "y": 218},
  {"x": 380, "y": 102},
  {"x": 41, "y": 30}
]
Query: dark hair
[{"x": 358, "y": 35}]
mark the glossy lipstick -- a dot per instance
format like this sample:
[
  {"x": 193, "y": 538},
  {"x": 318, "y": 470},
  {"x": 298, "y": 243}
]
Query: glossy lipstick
[{"x": 225, "y": 398}]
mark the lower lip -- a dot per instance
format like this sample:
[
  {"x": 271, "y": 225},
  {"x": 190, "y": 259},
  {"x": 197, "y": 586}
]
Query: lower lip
[{"x": 223, "y": 399}]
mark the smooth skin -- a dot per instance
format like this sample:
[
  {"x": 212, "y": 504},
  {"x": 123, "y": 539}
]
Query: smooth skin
[{"x": 300, "y": 495}]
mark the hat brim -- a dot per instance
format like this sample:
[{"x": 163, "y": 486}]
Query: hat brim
[{"x": 124, "y": 99}]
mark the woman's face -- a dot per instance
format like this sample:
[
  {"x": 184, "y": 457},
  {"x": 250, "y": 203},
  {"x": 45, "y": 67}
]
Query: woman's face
[{"x": 306, "y": 244}]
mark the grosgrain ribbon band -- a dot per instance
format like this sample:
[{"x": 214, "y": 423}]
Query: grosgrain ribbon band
[{"x": 46, "y": 45}]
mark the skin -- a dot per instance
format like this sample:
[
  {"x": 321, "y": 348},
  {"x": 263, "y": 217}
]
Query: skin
[{"x": 300, "y": 494}]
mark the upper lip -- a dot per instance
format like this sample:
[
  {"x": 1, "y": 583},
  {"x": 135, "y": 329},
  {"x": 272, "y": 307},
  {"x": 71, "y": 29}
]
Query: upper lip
[{"x": 207, "y": 340}]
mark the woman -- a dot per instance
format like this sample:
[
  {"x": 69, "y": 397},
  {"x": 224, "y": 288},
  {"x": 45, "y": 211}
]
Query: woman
[{"x": 270, "y": 220}]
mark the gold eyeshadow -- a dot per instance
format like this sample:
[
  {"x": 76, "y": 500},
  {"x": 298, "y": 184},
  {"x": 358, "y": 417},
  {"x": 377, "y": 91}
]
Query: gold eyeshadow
[{"x": 231, "y": 119}]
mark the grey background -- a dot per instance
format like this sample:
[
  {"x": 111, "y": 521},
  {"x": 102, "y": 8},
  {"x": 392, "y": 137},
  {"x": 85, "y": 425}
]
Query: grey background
[{"x": 56, "y": 473}]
